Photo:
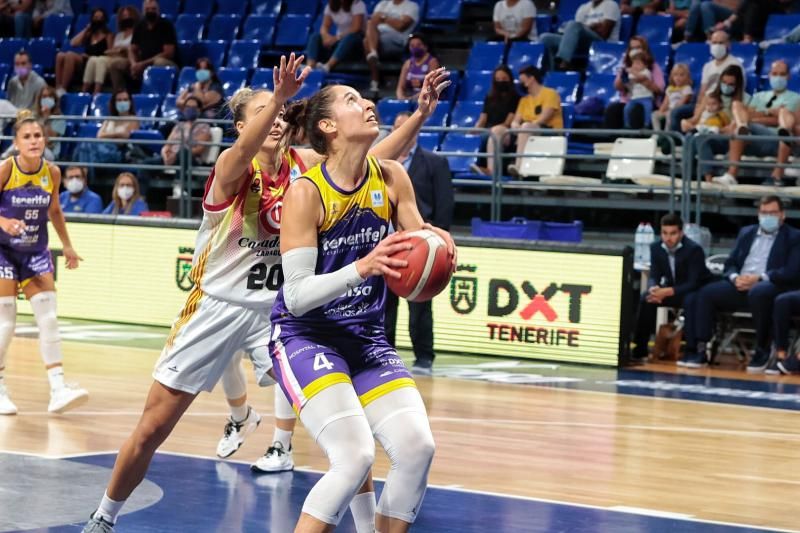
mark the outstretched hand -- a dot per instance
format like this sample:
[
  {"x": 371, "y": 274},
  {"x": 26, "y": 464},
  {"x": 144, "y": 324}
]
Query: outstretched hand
[
  {"x": 285, "y": 79},
  {"x": 434, "y": 83}
]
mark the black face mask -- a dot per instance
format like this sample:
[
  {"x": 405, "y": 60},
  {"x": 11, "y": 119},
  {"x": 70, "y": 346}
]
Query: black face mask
[
  {"x": 126, "y": 24},
  {"x": 150, "y": 16},
  {"x": 97, "y": 24},
  {"x": 504, "y": 86}
]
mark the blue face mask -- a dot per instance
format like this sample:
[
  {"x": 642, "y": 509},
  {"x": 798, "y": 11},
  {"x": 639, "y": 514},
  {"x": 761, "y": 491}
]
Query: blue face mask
[
  {"x": 190, "y": 113},
  {"x": 123, "y": 106},
  {"x": 726, "y": 89},
  {"x": 202, "y": 74},
  {"x": 47, "y": 102},
  {"x": 778, "y": 83},
  {"x": 769, "y": 223}
]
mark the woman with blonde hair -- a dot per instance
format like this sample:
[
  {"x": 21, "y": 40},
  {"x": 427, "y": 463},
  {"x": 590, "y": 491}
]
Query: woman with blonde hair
[{"x": 125, "y": 198}]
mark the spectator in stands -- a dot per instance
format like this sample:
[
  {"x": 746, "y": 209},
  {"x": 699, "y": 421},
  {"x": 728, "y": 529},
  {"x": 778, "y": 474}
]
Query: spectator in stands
[
  {"x": 596, "y": 20},
  {"x": 764, "y": 263},
  {"x": 788, "y": 126},
  {"x": 433, "y": 188},
  {"x": 515, "y": 20},
  {"x": 125, "y": 198},
  {"x": 16, "y": 18},
  {"x": 679, "y": 9},
  {"x": 24, "y": 88},
  {"x": 679, "y": 92},
  {"x": 540, "y": 108},
  {"x": 785, "y": 308},
  {"x": 415, "y": 68},
  {"x": 48, "y": 110},
  {"x": 637, "y": 8},
  {"x": 327, "y": 48},
  {"x": 677, "y": 268},
  {"x": 120, "y": 105},
  {"x": 78, "y": 198},
  {"x": 95, "y": 39},
  {"x": 639, "y": 82},
  {"x": 498, "y": 111},
  {"x": 154, "y": 42},
  {"x": 721, "y": 60},
  {"x": 748, "y": 21},
  {"x": 388, "y": 29},
  {"x": 708, "y": 16},
  {"x": 793, "y": 37},
  {"x": 207, "y": 90},
  {"x": 96, "y": 71},
  {"x": 760, "y": 117},
  {"x": 45, "y": 8},
  {"x": 713, "y": 119}
]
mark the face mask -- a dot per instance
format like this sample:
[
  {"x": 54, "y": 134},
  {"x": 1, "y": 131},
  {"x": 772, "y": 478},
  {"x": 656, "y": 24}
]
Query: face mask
[
  {"x": 191, "y": 113},
  {"x": 126, "y": 24},
  {"x": 633, "y": 52},
  {"x": 417, "y": 51},
  {"x": 769, "y": 223},
  {"x": 504, "y": 86},
  {"x": 151, "y": 16},
  {"x": 778, "y": 83},
  {"x": 75, "y": 185},
  {"x": 718, "y": 51},
  {"x": 125, "y": 192},
  {"x": 97, "y": 24},
  {"x": 123, "y": 106},
  {"x": 47, "y": 102},
  {"x": 22, "y": 71},
  {"x": 202, "y": 74},
  {"x": 726, "y": 89}
]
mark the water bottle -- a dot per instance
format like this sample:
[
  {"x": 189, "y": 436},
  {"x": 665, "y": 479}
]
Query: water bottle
[
  {"x": 638, "y": 241},
  {"x": 649, "y": 238}
]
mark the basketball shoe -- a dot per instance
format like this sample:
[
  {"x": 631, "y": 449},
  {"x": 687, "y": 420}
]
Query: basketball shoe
[
  {"x": 7, "y": 407},
  {"x": 790, "y": 365},
  {"x": 66, "y": 398},
  {"x": 98, "y": 525},
  {"x": 235, "y": 433},
  {"x": 277, "y": 459}
]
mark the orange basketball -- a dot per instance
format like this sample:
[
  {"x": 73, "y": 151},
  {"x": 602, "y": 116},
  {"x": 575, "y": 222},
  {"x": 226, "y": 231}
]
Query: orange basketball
[{"x": 428, "y": 271}]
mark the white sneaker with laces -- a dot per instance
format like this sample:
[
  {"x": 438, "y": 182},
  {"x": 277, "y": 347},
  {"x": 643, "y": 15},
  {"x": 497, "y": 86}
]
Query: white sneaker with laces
[
  {"x": 7, "y": 407},
  {"x": 277, "y": 459},
  {"x": 66, "y": 398},
  {"x": 236, "y": 432},
  {"x": 725, "y": 179}
]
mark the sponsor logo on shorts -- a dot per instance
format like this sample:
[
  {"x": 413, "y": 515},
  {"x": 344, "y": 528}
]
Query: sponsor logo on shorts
[{"x": 183, "y": 266}]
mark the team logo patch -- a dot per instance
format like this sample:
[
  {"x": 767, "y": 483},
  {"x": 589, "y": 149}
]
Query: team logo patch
[
  {"x": 45, "y": 181},
  {"x": 377, "y": 198},
  {"x": 183, "y": 266},
  {"x": 464, "y": 291},
  {"x": 255, "y": 185}
]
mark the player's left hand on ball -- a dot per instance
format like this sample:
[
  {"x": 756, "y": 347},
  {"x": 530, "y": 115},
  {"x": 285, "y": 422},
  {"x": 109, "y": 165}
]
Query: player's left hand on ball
[
  {"x": 71, "y": 257},
  {"x": 380, "y": 262},
  {"x": 434, "y": 83},
  {"x": 452, "y": 251}
]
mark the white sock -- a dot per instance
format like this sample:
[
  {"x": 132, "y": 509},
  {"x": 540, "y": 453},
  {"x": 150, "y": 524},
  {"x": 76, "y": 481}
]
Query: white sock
[
  {"x": 239, "y": 413},
  {"x": 56, "y": 377},
  {"x": 282, "y": 436},
  {"x": 362, "y": 506},
  {"x": 109, "y": 509}
]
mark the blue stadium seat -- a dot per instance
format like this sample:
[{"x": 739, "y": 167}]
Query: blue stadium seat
[
  {"x": 440, "y": 116},
  {"x": 461, "y": 142},
  {"x": 661, "y": 54},
  {"x": 88, "y": 130},
  {"x": 475, "y": 85},
  {"x": 748, "y": 53},
  {"x": 186, "y": 78},
  {"x": 606, "y": 58},
  {"x": 9, "y": 48},
  {"x": 428, "y": 140},
  {"x": 244, "y": 54},
  {"x": 158, "y": 80},
  {"x": 224, "y": 27},
  {"x": 75, "y": 104},
  {"x": 267, "y": 7},
  {"x": 189, "y": 26},
  {"x": 599, "y": 86},
  {"x": 789, "y": 53},
  {"x": 43, "y": 52},
  {"x": 262, "y": 78},
  {"x": 522, "y": 54},
  {"x": 293, "y": 31},
  {"x": 312, "y": 84},
  {"x": 199, "y": 7},
  {"x": 232, "y": 7},
  {"x": 486, "y": 56},
  {"x": 302, "y": 8},
  {"x": 565, "y": 83},
  {"x": 465, "y": 114},
  {"x": 543, "y": 24},
  {"x": 148, "y": 135},
  {"x": 779, "y": 25},
  {"x": 109, "y": 6},
  {"x": 441, "y": 11},
  {"x": 100, "y": 103},
  {"x": 168, "y": 7},
  {"x": 146, "y": 106},
  {"x": 232, "y": 79},
  {"x": 57, "y": 27},
  {"x": 259, "y": 28},
  {"x": 388, "y": 108},
  {"x": 625, "y": 28},
  {"x": 567, "y": 10},
  {"x": 568, "y": 115},
  {"x": 169, "y": 108},
  {"x": 213, "y": 50},
  {"x": 693, "y": 55},
  {"x": 657, "y": 29}
]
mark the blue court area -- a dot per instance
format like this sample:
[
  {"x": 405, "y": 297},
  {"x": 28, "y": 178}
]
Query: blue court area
[{"x": 189, "y": 494}]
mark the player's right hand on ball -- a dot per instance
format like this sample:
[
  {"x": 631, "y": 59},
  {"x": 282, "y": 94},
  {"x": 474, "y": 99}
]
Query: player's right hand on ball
[
  {"x": 379, "y": 261},
  {"x": 12, "y": 226}
]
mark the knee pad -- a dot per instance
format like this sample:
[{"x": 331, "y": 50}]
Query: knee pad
[
  {"x": 233, "y": 379},
  {"x": 44, "y": 311}
]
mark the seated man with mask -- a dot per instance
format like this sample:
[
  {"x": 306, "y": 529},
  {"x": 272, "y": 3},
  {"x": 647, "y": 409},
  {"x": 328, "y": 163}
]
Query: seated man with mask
[
  {"x": 78, "y": 198},
  {"x": 677, "y": 268}
]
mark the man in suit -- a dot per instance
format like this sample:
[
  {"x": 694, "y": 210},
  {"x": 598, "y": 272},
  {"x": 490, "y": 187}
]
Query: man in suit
[
  {"x": 433, "y": 187},
  {"x": 677, "y": 268},
  {"x": 763, "y": 264}
]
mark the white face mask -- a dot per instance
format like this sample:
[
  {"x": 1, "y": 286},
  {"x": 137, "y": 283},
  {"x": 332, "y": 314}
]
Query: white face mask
[
  {"x": 125, "y": 192},
  {"x": 719, "y": 51},
  {"x": 75, "y": 185}
]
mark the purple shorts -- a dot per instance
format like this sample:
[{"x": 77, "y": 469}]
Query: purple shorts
[
  {"x": 23, "y": 266},
  {"x": 306, "y": 364}
]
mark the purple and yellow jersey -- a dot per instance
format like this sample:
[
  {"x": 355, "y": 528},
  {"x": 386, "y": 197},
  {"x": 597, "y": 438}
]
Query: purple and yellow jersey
[
  {"x": 27, "y": 197},
  {"x": 355, "y": 222}
]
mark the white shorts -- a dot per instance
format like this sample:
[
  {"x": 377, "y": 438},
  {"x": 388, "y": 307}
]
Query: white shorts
[{"x": 205, "y": 337}]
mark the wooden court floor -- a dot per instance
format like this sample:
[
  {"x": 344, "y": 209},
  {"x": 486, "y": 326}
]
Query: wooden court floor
[{"x": 717, "y": 462}]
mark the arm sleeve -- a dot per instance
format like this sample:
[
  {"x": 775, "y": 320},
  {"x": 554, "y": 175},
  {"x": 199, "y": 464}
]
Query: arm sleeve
[{"x": 303, "y": 290}]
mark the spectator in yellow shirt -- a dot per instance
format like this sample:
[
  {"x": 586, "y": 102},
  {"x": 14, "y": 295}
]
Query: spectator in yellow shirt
[{"x": 539, "y": 108}]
